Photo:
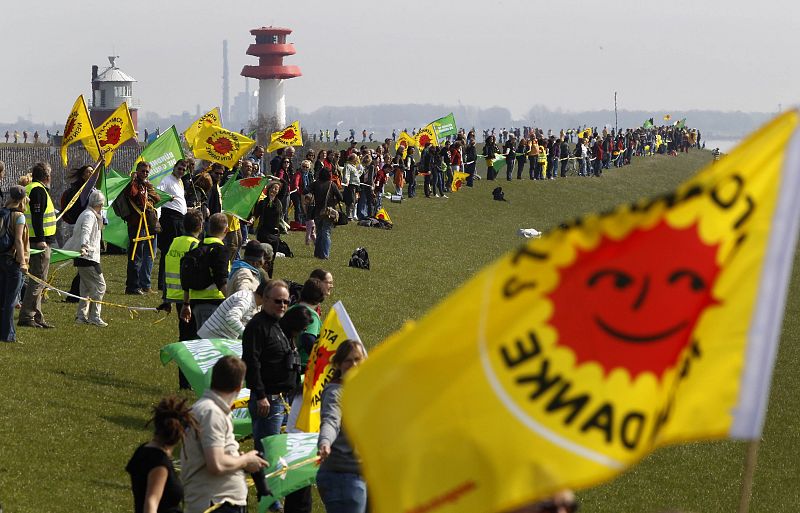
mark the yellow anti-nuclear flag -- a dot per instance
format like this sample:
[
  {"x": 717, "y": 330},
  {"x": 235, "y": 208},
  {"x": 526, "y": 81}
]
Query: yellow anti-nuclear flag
[
  {"x": 218, "y": 144},
  {"x": 459, "y": 179},
  {"x": 289, "y": 136},
  {"x": 573, "y": 357},
  {"x": 114, "y": 131},
  {"x": 337, "y": 328},
  {"x": 424, "y": 136},
  {"x": 210, "y": 118},
  {"x": 383, "y": 214},
  {"x": 77, "y": 128},
  {"x": 406, "y": 140}
]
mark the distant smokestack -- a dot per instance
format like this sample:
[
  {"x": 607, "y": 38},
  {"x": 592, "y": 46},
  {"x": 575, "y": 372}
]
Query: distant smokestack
[
  {"x": 225, "y": 99},
  {"x": 95, "y": 84}
]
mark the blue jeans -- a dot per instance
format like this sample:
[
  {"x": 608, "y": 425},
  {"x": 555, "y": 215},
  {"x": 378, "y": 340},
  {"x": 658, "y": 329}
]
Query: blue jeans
[
  {"x": 362, "y": 209},
  {"x": 412, "y": 184},
  {"x": 322, "y": 247},
  {"x": 140, "y": 268},
  {"x": 269, "y": 425},
  {"x": 10, "y": 285},
  {"x": 342, "y": 492}
]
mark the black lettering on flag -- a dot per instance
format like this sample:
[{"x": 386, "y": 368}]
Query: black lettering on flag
[
  {"x": 576, "y": 403},
  {"x": 524, "y": 351},
  {"x": 542, "y": 381},
  {"x": 603, "y": 419},
  {"x": 514, "y": 287}
]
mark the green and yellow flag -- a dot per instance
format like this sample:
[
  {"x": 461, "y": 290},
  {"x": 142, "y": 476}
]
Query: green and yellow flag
[
  {"x": 681, "y": 303},
  {"x": 210, "y": 118},
  {"x": 289, "y": 136},
  {"x": 77, "y": 128},
  {"x": 239, "y": 196},
  {"x": 114, "y": 131},
  {"x": 218, "y": 144},
  {"x": 445, "y": 126}
]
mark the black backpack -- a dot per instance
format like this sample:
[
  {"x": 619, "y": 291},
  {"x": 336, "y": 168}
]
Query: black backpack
[
  {"x": 196, "y": 268},
  {"x": 359, "y": 259},
  {"x": 6, "y": 237}
]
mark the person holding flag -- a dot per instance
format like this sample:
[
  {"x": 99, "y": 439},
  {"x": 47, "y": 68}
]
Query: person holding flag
[
  {"x": 142, "y": 221},
  {"x": 339, "y": 480},
  {"x": 172, "y": 213}
]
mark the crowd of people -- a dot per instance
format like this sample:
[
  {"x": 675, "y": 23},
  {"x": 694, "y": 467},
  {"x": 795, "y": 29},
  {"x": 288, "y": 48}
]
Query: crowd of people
[{"x": 229, "y": 290}]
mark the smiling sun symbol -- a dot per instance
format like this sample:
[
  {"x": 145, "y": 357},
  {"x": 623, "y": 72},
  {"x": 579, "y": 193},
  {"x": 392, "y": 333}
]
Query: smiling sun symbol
[{"x": 633, "y": 303}]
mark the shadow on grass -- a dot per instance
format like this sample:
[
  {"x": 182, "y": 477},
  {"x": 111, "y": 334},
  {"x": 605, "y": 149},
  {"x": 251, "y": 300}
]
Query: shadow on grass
[
  {"x": 108, "y": 484},
  {"x": 126, "y": 421},
  {"x": 104, "y": 378}
]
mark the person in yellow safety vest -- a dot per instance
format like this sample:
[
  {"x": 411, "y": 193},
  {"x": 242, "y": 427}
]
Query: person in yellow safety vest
[
  {"x": 173, "y": 292},
  {"x": 533, "y": 157},
  {"x": 40, "y": 216},
  {"x": 541, "y": 167},
  {"x": 202, "y": 303}
]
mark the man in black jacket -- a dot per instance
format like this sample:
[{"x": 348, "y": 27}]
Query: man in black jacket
[{"x": 273, "y": 363}]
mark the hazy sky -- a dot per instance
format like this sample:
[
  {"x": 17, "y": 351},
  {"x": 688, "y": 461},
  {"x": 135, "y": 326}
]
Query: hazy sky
[{"x": 568, "y": 54}]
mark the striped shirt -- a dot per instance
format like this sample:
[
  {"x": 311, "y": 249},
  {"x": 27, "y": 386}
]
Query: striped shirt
[{"x": 229, "y": 319}]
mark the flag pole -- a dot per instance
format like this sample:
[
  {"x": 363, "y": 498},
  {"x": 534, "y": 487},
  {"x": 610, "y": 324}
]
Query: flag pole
[{"x": 750, "y": 459}]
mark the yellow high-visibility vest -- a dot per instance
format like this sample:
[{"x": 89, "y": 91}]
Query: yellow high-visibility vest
[
  {"x": 172, "y": 265},
  {"x": 49, "y": 219},
  {"x": 210, "y": 292}
]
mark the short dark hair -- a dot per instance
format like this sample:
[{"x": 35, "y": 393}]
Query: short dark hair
[
  {"x": 142, "y": 164},
  {"x": 40, "y": 171},
  {"x": 227, "y": 374},
  {"x": 312, "y": 292},
  {"x": 319, "y": 274},
  {"x": 192, "y": 221},
  {"x": 295, "y": 321},
  {"x": 217, "y": 223}
]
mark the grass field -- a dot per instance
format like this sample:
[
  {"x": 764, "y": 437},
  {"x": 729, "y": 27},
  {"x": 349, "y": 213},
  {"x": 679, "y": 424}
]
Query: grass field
[{"x": 74, "y": 400}]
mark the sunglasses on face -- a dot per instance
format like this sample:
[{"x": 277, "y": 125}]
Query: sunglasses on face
[{"x": 282, "y": 302}]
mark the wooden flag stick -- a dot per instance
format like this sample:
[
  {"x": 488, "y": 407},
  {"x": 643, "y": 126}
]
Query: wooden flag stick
[{"x": 750, "y": 459}]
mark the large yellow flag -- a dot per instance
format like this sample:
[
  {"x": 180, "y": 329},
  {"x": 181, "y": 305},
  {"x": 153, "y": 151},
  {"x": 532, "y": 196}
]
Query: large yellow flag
[
  {"x": 289, "y": 136},
  {"x": 210, "y": 118},
  {"x": 383, "y": 214},
  {"x": 217, "y": 144},
  {"x": 424, "y": 136},
  {"x": 573, "y": 357},
  {"x": 77, "y": 128},
  {"x": 337, "y": 328},
  {"x": 406, "y": 140},
  {"x": 459, "y": 179},
  {"x": 114, "y": 131}
]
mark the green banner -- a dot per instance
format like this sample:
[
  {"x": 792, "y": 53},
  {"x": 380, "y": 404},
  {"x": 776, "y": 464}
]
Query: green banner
[
  {"x": 58, "y": 255},
  {"x": 162, "y": 154},
  {"x": 239, "y": 196},
  {"x": 445, "y": 126},
  {"x": 648, "y": 123},
  {"x": 681, "y": 123},
  {"x": 292, "y": 465},
  {"x": 196, "y": 358}
]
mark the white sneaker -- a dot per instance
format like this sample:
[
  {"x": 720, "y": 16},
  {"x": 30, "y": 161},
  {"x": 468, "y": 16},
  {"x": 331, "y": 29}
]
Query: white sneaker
[
  {"x": 81, "y": 320},
  {"x": 435, "y": 195},
  {"x": 444, "y": 196},
  {"x": 99, "y": 322}
]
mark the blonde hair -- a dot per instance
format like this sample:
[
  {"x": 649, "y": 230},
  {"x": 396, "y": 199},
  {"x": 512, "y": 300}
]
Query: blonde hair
[
  {"x": 306, "y": 164},
  {"x": 24, "y": 180}
]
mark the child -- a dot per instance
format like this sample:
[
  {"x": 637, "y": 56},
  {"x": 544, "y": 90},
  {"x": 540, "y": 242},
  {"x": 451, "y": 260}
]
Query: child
[{"x": 311, "y": 229}]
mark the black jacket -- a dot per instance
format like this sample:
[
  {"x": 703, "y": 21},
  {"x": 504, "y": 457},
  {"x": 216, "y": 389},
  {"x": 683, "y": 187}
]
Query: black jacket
[{"x": 269, "y": 356}]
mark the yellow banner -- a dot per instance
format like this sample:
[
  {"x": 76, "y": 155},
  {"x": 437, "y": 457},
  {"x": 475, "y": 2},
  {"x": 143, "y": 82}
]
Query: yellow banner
[
  {"x": 404, "y": 139},
  {"x": 77, "y": 128},
  {"x": 337, "y": 328},
  {"x": 289, "y": 136},
  {"x": 424, "y": 136},
  {"x": 459, "y": 179},
  {"x": 217, "y": 144},
  {"x": 114, "y": 131},
  {"x": 383, "y": 214},
  {"x": 210, "y": 118},
  {"x": 573, "y": 357}
]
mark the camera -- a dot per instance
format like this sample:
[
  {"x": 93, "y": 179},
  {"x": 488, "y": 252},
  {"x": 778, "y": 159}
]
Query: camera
[
  {"x": 260, "y": 480},
  {"x": 292, "y": 360}
]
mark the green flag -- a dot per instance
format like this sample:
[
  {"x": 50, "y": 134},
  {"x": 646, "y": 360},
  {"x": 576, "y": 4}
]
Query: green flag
[
  {"x": 648, "y": 123},
  {"x": 240, "y": 197},
  {"x": 681, "y": 123},
  {"x": 292, "y": 465},
  {"x": 162, "y": 154},
  {"x": 445, "y": 126},
  {"x": 58, "y": 255},
  {"x": 196, "y": 358}
]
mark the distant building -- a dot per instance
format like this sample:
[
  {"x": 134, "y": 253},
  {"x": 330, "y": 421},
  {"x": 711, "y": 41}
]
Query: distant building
[{"x": 110, "y": 88}]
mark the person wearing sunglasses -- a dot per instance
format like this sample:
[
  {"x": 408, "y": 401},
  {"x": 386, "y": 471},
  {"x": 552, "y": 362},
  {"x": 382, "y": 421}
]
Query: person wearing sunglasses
[{"x": 273, "y": 364}]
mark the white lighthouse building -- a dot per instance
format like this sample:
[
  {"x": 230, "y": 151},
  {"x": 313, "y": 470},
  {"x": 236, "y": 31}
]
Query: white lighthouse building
[{"x": 110, "y": 88}]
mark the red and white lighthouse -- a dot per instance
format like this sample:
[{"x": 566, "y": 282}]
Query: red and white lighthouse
[{"x": 270, "y": 48}]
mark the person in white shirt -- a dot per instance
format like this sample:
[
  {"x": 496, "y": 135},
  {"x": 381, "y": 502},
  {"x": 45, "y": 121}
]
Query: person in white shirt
[
  {"x": 230, "y": 318},
  {"x": 172, "y": 213}
]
